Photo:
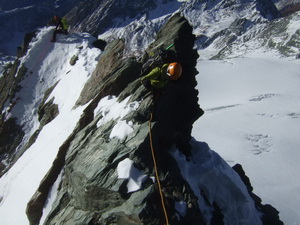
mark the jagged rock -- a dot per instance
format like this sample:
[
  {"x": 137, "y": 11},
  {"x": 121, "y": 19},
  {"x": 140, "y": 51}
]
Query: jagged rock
[
  {"x": 11, "y": 133},
  {"x": 73, "y": 60},
  {"x": 217, "y": 215},
  {"x": 90, "y": 191},
  {"x": 239, "y": 26},
  {"x": 47, "y": 111},
  {"x": 34, "y": 206},
  {"x": 267, "y": 9},
  {"x": 22, "y": 50},
  {"x": 179, "y": 107},
  {"x": 7, "y": 82},
  {"x": 112, "y": 74},
  {"x": 101, "y": 44}
]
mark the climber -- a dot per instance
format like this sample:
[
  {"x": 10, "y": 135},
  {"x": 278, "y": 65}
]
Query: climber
[
  {"x": 61, "y": 27},
  {"x": 157, "y": 78}
]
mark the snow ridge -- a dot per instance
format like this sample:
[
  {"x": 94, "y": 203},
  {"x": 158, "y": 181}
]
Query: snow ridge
[
  {"x": 18, "y": 185},
  {"x": 250, "y": 98}
]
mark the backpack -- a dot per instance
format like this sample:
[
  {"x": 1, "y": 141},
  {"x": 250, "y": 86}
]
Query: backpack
[
  {"x": 65, "y": 24},
  {"x": 158, "y": 59}
]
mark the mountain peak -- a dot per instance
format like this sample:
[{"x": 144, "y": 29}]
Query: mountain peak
[
  {"x": 99, "y": 195},
  {"x": 98, "y": 137}
]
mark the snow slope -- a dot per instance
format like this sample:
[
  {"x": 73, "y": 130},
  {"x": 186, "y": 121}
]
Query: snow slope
[
  {"x": 206, "y": 169},
  {"x": 48, "y": 63},
  {"x": 252, "y": 117}
]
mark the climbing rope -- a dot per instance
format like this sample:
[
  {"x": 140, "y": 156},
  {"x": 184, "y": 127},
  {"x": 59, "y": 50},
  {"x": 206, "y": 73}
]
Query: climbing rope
[{"x": 156, "y": 174}]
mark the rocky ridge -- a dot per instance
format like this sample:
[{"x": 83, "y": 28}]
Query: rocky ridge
[
  {"x": 90, "y": 191},
  {"x": 113, "y": 80}
]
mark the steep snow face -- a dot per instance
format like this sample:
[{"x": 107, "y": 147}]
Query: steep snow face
[
  {"x": 45, "y": 69},
  {"x": 206, "y": 169},
  {"x": 47, "y": 63}
]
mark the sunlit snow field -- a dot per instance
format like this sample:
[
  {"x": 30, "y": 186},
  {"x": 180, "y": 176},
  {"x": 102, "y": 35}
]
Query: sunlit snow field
[{"x": 252, "y": 117}]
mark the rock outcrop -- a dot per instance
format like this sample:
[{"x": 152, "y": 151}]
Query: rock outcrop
[
  {"x": 91, "y": 191},
  {"x": 290, "y": 9},
  {"x": 10, "y": 132},
  {"x": 269, "y": 213}
]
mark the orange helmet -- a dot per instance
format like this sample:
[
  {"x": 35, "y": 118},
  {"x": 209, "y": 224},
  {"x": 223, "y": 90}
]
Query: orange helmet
[
  {"x": 56, "y": 18},
  {"x": 174, "y": 70}
]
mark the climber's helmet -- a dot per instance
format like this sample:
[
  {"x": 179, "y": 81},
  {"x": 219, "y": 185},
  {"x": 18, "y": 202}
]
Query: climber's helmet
[
  {"x": 174, "y": 70},
  {"x": 56, "y": 18}
]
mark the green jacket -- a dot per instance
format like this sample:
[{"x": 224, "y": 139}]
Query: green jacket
[
  {"x": 158, "y": 76},
  {"x": 65, "y": 24}
]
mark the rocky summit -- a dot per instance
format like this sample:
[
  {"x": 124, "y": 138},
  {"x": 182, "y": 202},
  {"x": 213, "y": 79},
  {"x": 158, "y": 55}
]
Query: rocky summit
[{"x": 92, "y": 191}]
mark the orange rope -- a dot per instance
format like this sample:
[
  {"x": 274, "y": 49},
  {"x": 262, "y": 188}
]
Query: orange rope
[{"x": 156, "y": 174}]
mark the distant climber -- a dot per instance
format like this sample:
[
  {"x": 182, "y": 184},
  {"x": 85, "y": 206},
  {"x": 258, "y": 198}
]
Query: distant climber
[
  {"x": 157, "y": 78},
  {"x": 61, "y": 27}
]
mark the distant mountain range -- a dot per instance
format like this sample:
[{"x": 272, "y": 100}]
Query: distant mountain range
[{"x": 18, "y": 17}]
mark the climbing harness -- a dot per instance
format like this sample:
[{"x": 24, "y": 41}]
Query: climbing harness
[{"x": 156, "y": 173}]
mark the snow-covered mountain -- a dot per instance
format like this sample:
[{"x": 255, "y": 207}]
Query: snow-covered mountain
[{"x": 66, "y": 127}]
